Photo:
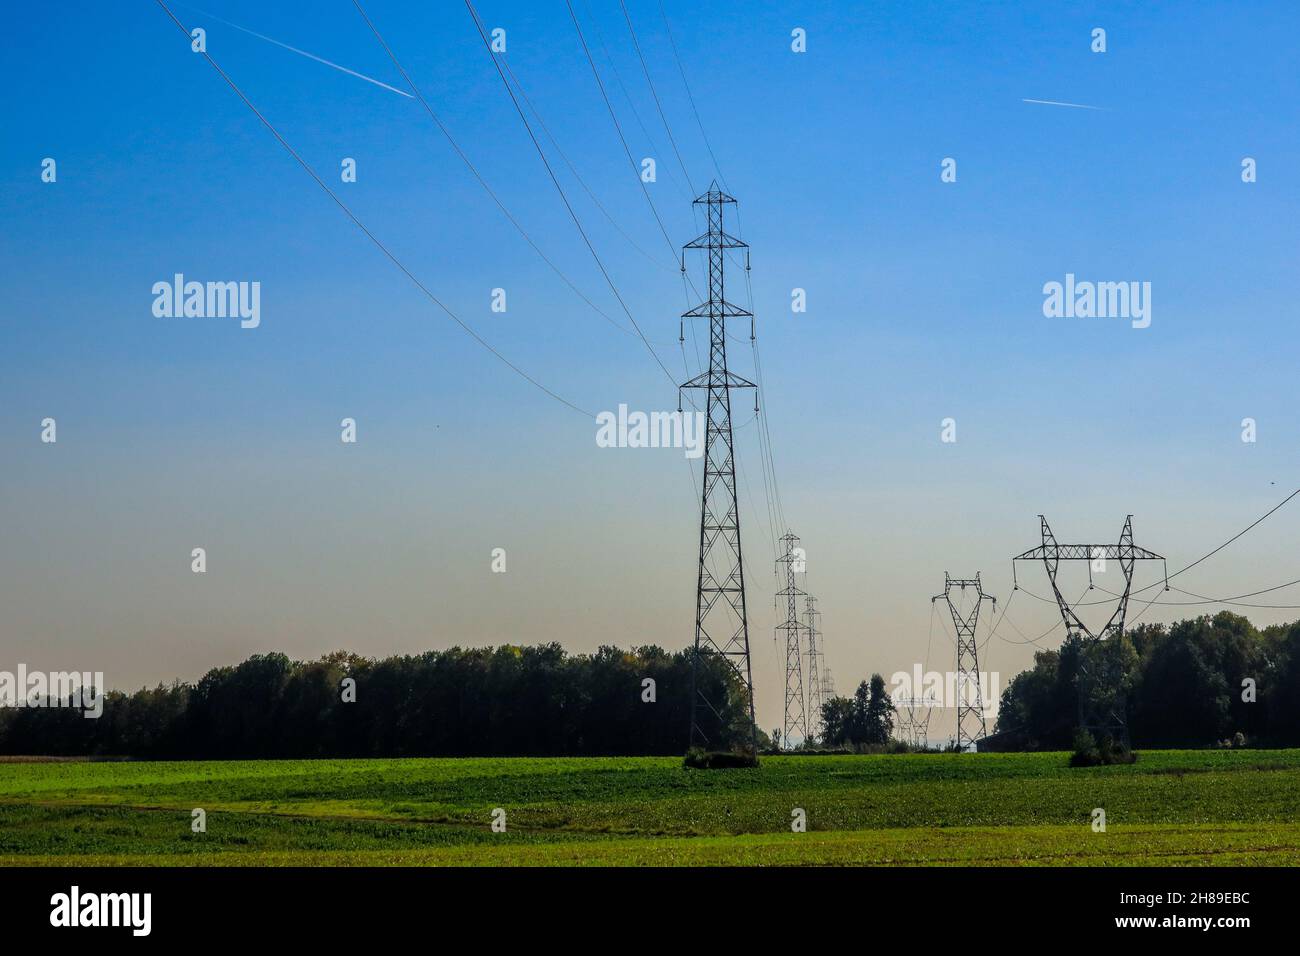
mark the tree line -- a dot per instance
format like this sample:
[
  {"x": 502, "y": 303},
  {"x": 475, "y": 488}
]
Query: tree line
[
  {"x": 1198, "y": 682},
  {"x": 503, "y": 701},
  {"x": 1195, "y": 683}
]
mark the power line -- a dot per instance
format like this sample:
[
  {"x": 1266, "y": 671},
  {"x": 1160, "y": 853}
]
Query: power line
[
  {"x": 765, "y": 438},
  {"x": 1234, "y": 537},
  {"x": 997, "y": 623},
  {"x": 618, "y": 78},
  {"x": 469, "y": 330},
  {"x": 618, "y": 126},
  {"x": 582, "y": 182},
  {"x": 691, "y": 97},
  {"x": 487, "y": 45},
  {"x": 1234, "y": 600},
  {"x": 1026, "y": 639},
  {"x": 655, "y": 95},
  {"x": 929, "y": 638},
  {"x": 464, "y": 158}
]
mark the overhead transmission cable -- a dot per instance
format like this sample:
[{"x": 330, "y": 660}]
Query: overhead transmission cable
[
  {"x": 469, "y": 164},
  {"x": 618, "y": 126},
  {"x": 576, "y": 175},
  {"x": 466, "y": 327},
  {"x": 655, "y": 96},
  {"x": 691, "y": 97},
  {"x": 487, "y": 45}
]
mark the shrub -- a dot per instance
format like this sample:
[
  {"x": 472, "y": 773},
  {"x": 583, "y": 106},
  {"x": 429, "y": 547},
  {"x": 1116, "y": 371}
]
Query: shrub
[
  {"x": 718, "y": 759},
  {"x": 1089, "y": 753}
]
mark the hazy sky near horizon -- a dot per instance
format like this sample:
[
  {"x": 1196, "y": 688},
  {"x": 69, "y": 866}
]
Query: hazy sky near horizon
[{"x": 925, "y": 301}]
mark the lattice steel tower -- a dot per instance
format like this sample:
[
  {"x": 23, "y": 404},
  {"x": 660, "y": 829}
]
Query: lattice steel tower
[
  {"x": 796, "y": 715},
  {"x": 970, "y": 703},
  {"x": 721, "y": 622},
  {"x": 914, "y": 719},
  {"x": 1102, "y": 704},
  {"x": 811, "y": 618}
]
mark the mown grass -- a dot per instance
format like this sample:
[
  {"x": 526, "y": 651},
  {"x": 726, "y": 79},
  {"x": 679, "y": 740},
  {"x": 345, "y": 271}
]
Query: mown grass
[{"x": 1172, "y": 806}]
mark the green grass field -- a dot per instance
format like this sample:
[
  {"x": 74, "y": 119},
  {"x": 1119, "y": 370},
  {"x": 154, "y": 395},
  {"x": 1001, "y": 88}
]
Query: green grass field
[{"x": 1172, "y": 807}]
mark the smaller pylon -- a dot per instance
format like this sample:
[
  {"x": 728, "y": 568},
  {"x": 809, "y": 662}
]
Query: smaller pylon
[
  {"x": 970, "y": 703},
  {"x": 812, "y": 617},
  {"x": 795, "y": 723},
  {"x": 914, "y": 720}
]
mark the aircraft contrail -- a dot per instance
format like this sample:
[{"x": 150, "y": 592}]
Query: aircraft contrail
[
  {"x": 1077, "y": 106},
  {"x": 294, "y": 49}
]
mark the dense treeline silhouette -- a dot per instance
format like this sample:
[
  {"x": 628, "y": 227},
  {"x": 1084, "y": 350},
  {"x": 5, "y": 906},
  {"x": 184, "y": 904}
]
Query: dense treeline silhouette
[
  {"x": 1187, "y": 685},
  {"x": 1183, "y": 684},
  {"x": 460, "y": 702}
]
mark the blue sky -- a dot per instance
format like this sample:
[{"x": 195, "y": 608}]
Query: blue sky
[{"x": 925, "y": 302}]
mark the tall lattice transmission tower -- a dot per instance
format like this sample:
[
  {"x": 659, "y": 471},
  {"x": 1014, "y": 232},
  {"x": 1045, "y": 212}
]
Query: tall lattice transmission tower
[
  {"x": 791, "y": 562},
  {"x": 812, "y": 627},
  {"x": 721, "y": 622},
  {"x": 970, "y": 703}
]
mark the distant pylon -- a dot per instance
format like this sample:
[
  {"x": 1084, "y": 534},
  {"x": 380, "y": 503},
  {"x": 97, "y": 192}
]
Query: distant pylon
[
  {"x": 796, "y": 716},
  {"x": 721, "y": 622},
  {"x": 914, "y": 719},
  {"x": 811, "y": 618},
  {"x": 970, "y": 703},
  {"x": 828, "y": 679}
]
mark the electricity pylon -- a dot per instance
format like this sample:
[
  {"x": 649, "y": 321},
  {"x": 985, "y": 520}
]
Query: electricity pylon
[
  {"x": 828, "y": 679},
  {"x": 721, "y": 622},
  {"x": 914, "y": 719},
  {"x": 970, "y": 703},
  {"x": 796, "y": 716},
  {"x": 1102, "y": 703},
  {"x": 811, "y": 617}
]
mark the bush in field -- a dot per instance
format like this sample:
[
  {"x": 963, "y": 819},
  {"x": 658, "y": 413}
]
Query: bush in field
[
  {"x": 699, "y": 759},
  {"x": 1088, "y": 752}
]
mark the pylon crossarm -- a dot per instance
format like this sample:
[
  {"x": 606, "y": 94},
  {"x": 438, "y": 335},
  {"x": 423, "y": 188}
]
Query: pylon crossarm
[
  {"x": 730, "y": 380},
  {"x": 710, "y": 241},
  {"x": 1087, "y": 552},
  {"x": 706, "y": 310}
]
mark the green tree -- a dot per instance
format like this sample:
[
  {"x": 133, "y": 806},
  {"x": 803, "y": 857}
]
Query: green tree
[
  {"x": 837, "y": 721},
  {"x": 879, "y": 713}
]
